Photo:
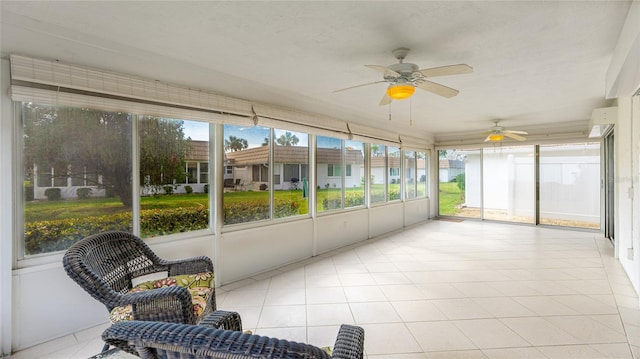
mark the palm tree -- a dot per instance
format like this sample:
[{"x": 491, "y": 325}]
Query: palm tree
[
  {"x": 374, "y": 149},
  {"x": 234, "y": 144},
  {"x": 288, "y": 139}
]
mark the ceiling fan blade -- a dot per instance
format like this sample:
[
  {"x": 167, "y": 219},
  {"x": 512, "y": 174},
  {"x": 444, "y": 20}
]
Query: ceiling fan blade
[
  {"x": 487, "y": 139},
  {"x": 438, "y": 89},
  {"x": 517, "y": 132},
  {"x": 447, "y": 70},
  {"x": 352, "y": 87},
  {"x": 386, "y": 99},
  {"x": 385, "y": 70},
  {"x": 514, "y": 136}
]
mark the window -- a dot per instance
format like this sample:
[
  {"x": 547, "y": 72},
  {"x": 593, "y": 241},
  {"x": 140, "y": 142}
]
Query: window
[
  {"x": 421, "y": 173},
  {"x": 410, "y": 174},
  {"x": 247, "y": 188},
  {"x": 192, "y": 172},
  {"x": 378, "y": 160},
  {"x": 393, "y": 161},
  {"x": 334, "y": 170},
  {"x": 291, "y": 188},
  {"x": 62, "y": 143},
  {"x": 354, "y": 176},
  {"x": 204, "y": 172},
  {"x": 171, "y": 200},
  {"x": 328, "y": 173}
]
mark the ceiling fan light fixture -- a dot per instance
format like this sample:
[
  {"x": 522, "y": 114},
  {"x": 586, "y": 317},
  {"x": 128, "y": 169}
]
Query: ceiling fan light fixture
[
  {"x": 495, "y": 137},
  {"x": 400, "y": 91}
]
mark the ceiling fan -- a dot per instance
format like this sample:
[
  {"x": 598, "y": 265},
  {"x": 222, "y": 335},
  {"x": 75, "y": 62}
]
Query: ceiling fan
[
  {"x": 405, "y": 77},
  {"x": 497, "y": 133}
]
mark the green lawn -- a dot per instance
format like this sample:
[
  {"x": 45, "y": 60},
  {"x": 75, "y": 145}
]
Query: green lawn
[
  {"x": 79, "y": 208},
  {"x": 451, "y": 197}
]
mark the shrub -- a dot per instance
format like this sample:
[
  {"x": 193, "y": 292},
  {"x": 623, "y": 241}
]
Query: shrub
[
  {"x": 206, "y": 188},
  {"x": 188, "y": 189},
  {"x": 57, "y": 235},
  {"x": 256, "y": 210},
  {"x": 352, "y": 199},
  {"x": 377, "y": 196},
  {"x": 83, "y": 193},
  {"x": 331, "y": 203},
  {"x": 460, "y": 178},
  {"x": 109, "y": 192},
  {"x": 52, "y": 194},
  {"x": 157, "y": 222},
  {"x": 263, "y": 187},
  {"x": 168, "y": 190},
  {"x": 28, "y": 193}
]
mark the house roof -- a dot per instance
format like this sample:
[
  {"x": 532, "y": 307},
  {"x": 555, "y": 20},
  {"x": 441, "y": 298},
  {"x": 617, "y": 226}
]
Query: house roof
[{"x": 198, "y": 151}]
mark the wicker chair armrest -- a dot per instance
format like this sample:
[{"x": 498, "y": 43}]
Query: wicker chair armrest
[
  {"x": 167, "y": 304},
  {"x": 197, "y": 341},
  {"x": 222, "y": 319},
  {"x": 191, "y": 265},
  {"x": 349, "y": 343}
]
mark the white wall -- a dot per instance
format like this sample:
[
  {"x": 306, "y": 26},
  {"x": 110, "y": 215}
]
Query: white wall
[
  {"x": 623, "y": 80},
  {"x": 47, "y": 304},
  {"x": 627, "y": 196},
  {"x": 6, "y": 203}
]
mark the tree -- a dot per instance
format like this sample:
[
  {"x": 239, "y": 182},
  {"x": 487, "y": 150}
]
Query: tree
[
  {"x": 163, "y": 150},
  {"x": 234, "y": 144},
  {"x": 288, "y": 139},
  {"x": 374, "y": 150},
  {"x": 71, "y": 138},
  {"x": 265, "y": 142}
]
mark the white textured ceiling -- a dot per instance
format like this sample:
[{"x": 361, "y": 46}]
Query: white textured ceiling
[{"x": 538, "y": 65}]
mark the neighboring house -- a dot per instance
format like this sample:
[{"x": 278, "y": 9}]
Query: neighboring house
[
  {"x": 449, "y": 169},
  {"x": 378, "y": 166},
  {"x": 73, "y": 177},
  {"x": 250, "y": 167}
]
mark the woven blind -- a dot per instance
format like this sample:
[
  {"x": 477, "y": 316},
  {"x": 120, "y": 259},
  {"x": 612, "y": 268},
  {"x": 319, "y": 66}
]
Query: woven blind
[
  {"x": 30, "y": 94},
  {"x": 114, "y": 90}
]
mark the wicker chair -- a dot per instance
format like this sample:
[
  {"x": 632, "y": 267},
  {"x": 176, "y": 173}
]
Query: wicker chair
[
  {"x": 105, "y": 264},
  {"x": 150, "y": 340}
]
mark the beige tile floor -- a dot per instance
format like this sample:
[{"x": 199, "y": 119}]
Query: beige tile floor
[{"x": 441, "y": 290}]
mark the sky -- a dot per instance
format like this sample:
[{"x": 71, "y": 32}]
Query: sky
[{"x": 254, "y": 135}]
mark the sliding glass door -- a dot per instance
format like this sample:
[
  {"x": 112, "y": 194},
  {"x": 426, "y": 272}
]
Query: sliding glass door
[
  {"x": 570, "y": 185},
  {"x": 508, "y": 184},
  {"x": 459, "y": 183},
  {"x": 500, "y": 183}
]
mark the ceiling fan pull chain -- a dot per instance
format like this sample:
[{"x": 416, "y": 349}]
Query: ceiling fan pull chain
[
  {"x": 411, "y": 112},
  {"x": 389, "y": 111}
]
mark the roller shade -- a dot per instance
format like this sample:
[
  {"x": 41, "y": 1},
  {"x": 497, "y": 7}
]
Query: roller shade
[
  {"x": 286, "y": 125},
  {"x": 30, "y": 94},
  {"x": 414, "y": 143},
  {"x": 373, "y": 135},
  {"x": 299, "y": 117},
  {"x": 59, "y": 78}
]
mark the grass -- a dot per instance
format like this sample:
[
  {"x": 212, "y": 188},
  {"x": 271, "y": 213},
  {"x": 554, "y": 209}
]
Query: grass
[
  {"x": 451, "y": 197},
  {"x": 43, "y": 210}
]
